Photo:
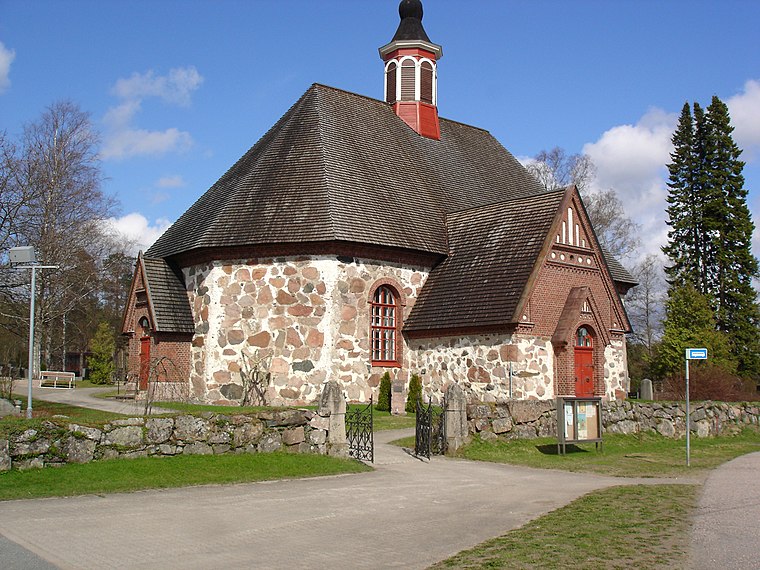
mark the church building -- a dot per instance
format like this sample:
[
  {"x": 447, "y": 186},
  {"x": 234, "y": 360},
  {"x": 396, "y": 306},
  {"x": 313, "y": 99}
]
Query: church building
[{"x": 361, "y": 236}]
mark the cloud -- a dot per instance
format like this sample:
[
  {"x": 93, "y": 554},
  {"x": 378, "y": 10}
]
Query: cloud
[
  {"x": 140, "y": 142},
  {"x": 176, "y": 87},
  {"x": 175, "y": 181},
  {"x": 632, "y": 159},
  {"x": 744, "y": 108},
  {"x": 135, "y": 229},
  {"x": 6, "y": 58},
  {"x": 122, "y": 139}
]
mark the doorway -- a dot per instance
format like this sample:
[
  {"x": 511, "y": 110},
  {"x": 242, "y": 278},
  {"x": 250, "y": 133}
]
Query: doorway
[{"x": 584, "y": 363}]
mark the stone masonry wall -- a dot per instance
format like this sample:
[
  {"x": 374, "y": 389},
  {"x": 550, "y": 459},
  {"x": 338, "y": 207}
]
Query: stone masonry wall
[
  {"x": 57, "y": 443},
  {"x": 531, "y": 419},
  {"x": 480, "y": 365},
  {"x": 309, "y": 316}
]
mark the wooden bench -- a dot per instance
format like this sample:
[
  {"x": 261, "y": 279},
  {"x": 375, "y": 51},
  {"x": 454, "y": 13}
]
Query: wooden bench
[{"x": 52, "y": 379}]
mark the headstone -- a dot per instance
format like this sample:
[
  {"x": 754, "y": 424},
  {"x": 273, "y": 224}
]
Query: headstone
[
  {"x": 457, "y": 431},
  {"x": 398, "y": 398},
  {"x": 646, "y": 389},
  {"x": 332, "y": 405}
]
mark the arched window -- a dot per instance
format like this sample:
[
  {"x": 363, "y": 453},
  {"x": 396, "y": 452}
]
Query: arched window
[
  {"x": 385, "y": 325},
  {"x": 408, "y": 80},
  {"x": 583, "y": 338},
  {"x": 426, "y": 82},
  {"x": 390, "y": 83}
]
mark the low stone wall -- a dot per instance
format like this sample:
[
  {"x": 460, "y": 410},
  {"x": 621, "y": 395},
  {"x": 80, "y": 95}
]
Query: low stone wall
[
  {"x": 525, "y": 419},
  {"x": 56, "y": 443}
]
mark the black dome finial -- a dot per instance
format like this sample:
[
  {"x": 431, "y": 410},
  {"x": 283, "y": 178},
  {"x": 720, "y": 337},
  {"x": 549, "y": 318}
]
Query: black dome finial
[
  {"x": 410, "y": 9},
  {"x": 410, "y": 27}
]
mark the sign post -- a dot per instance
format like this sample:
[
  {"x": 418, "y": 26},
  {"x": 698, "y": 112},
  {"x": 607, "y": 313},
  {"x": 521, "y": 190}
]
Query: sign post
[{"x": 691, "y": 354}]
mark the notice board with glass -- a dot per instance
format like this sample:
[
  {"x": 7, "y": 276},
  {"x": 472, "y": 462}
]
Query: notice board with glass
[{"x": 579, "y": 420}]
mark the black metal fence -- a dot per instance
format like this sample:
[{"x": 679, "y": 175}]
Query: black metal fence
[{"x": 359, "y": 436}]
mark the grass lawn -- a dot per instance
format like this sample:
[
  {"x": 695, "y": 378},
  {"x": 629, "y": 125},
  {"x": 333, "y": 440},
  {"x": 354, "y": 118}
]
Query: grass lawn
[
  {"x": 125, "y": 475},
  {"x": 639, "y": 455},
  {"x": 42, "y": 409},
  {"x": 636, "y": 526}
]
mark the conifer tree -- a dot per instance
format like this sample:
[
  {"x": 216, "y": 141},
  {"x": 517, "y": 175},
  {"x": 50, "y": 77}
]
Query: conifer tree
[
  {"x": 102, "y": 346},
  {"x": 711, "y": 228}
]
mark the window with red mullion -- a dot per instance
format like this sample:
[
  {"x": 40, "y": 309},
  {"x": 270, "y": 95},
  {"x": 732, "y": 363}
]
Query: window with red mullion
[{"x": 384, "y": 327}]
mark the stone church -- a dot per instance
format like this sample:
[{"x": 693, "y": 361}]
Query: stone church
[{"x": 359, "y": 237}]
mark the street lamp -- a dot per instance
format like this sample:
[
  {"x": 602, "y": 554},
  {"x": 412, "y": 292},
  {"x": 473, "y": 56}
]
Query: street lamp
[{"x": 25, "y": 255}]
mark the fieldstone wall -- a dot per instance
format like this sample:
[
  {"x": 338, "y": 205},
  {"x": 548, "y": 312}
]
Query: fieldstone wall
[
  {"x": 531, "y": 419},
  {"x": 308, "y": 316},
  {"x": 56, "y": 443},
  {"x": 480, "y": 365},
  {"x": 616, "y": 381}
]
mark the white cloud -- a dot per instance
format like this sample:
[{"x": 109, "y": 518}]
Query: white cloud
[
  {"x": 136, "y": 229},
  {"x": 176, "y": 87},
  {"x": 745, "y": 117},
  {"x": 140, "y": 142},
  {"x": 6, "y": 58},
  {"x": 175, "y": 181},
  {"x": 123, "y": 140},
  {"x": 632, "y": 160}
]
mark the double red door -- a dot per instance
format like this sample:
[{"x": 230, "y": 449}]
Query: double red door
[
  {"x": 584, "y": 372},
  {"x": 144, "y": 362}
]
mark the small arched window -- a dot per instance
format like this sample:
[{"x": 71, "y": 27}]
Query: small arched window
[
  {"x": 408, "y": 80},
  {"x": 583, "y": 338},
  {"x": 385, "y": 327},
  {"x": 144, "y": 326},
  {"x": 390, "y": 83},
  {"x": 426, "y": 82}
]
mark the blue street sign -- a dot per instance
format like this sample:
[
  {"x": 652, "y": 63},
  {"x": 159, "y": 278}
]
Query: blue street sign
[{"x": 696, "y": 354}]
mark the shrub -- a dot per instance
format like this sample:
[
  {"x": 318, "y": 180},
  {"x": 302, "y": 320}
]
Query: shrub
[
  {"x": 414, "y": 395},
  {"x": 384, "y": 397},
  {"x": 707, "y": 382}
]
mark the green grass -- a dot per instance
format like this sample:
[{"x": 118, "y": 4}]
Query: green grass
[
  {"x": 126, "y": 475},
  {"x": 636, "y": 526},
  {"x": 44, "y": 410},
  {"x": 639, "y": 455}
]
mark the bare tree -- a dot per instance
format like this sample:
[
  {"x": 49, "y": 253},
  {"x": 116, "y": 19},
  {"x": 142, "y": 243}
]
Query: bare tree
[
  {"x": 645, "y": 303},
  {"x": 617, "y": 233},
  {"x": 57, "y": 172},
  {"x": 555, "y": 169}
]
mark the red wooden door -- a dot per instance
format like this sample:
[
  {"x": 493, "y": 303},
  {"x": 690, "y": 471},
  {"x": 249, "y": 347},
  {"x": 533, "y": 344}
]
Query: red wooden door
[
  {"x": 144, "y": 362},
  {"x": 584, "y": 364}
]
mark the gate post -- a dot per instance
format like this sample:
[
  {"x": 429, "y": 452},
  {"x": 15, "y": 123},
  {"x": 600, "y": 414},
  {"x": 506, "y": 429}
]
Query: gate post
[
  {"x": 332, "y": 405},
  {"x": 455, "y": 416}
]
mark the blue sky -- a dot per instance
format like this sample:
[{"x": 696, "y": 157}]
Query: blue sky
[{"x": 179, "y": 90}]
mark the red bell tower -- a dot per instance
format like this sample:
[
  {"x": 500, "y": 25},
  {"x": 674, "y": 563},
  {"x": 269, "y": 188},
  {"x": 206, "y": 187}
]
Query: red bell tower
[{"x": 411, "y": 75}]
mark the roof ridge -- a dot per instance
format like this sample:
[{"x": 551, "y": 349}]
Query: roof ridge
[{"x": 323, "y": 159}]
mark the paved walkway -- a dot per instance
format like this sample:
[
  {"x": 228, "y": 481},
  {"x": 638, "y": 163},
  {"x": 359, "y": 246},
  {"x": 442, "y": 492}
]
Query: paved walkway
[
  {"x": 406, "y": 514},
  {"x": 85, "y": 397},
  {"x": 726, "y": 531}
]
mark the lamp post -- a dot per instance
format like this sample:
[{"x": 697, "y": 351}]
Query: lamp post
[{"x": 25, "y": 255}]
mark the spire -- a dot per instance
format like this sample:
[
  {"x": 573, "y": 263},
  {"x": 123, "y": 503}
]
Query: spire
[{"x": 411, "y": 75}]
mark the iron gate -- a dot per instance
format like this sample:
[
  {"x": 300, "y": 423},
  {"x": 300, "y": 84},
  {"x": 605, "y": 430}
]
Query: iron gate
[
  {"x": 430, "y": 432},
  {"x": 361, "y": 443}
]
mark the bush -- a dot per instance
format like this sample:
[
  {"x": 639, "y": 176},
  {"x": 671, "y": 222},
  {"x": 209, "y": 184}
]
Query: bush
[
  {"x": 707, "y": 382},
  {"x": 384, "y": 397},
  {"x": 414, "y": 395}
]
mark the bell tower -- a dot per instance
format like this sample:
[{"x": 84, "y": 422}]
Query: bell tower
[{"x": 411, "y": 72}]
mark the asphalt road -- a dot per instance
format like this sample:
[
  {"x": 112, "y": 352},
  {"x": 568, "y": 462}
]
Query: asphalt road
[{"x": 406, "y": 514}]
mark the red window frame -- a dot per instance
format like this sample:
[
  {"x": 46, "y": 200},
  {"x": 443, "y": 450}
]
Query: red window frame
[{"x": 385, "y": 327}]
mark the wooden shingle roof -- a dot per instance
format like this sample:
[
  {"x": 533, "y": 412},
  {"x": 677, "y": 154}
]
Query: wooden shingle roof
[
  {"x": 493, "y": 252},
  {"x": 167, "y": 297},
  {"x": 343, "y": 167}
]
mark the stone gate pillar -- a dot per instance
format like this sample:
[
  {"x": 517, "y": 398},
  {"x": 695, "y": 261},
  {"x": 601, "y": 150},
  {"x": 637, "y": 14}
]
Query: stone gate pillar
[
  {"x": 332, "y": 406},
  {"x": 455, "y": 416}
]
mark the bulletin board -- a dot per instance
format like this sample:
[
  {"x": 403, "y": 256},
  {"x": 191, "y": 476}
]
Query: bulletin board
[{"x": 579, "y": 420}]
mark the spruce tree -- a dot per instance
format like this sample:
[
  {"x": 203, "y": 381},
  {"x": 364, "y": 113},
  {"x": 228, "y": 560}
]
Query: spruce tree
[
  {"x": 101, "y": 362},
  {"x": 711, "y": 228}
]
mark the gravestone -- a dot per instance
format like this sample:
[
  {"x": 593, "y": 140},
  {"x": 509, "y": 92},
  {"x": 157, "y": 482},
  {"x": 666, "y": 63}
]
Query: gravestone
[
  {"x": 646, "y": 389},
  {"x": 398, "y": 398}
]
